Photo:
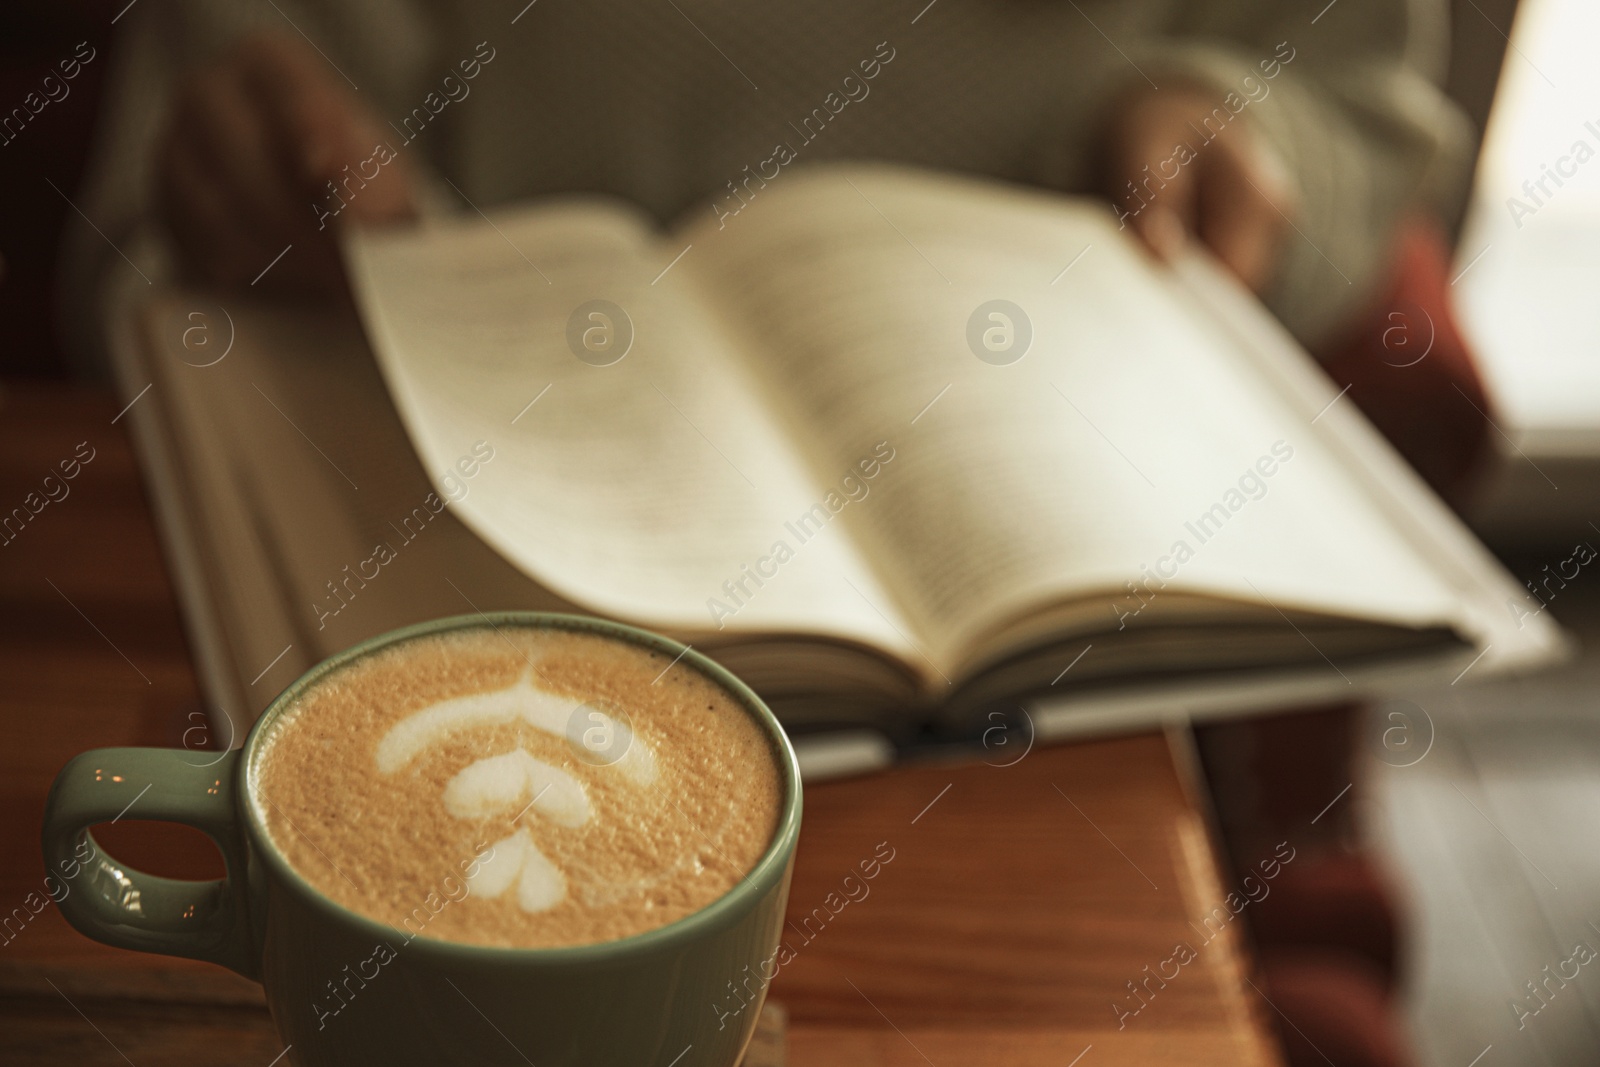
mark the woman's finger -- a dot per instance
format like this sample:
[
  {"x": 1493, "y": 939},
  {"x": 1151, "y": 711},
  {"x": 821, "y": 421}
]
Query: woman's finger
[
  {"x": 328, "y": 137},
  {"x": 1244, "y": 209}
]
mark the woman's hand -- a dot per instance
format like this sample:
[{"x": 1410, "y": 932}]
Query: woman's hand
[
  {"x": 1231, "y": 192},
  {"x": 243, "y": 167}
]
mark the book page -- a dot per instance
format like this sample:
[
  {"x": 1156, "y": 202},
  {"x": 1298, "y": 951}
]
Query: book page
[
  {"x": 635, "y": 469},
  {"x": 1065, "y": 427}
]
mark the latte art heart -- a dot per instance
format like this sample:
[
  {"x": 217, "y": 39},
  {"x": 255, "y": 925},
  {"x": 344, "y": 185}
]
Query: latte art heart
[
  {"x": 514, "y": 782},
  {"x": 516, "y": 859}
]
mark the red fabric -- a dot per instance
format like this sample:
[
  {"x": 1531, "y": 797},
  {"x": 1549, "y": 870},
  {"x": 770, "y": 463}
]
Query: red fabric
[
  {"x": 1411, "y": 372},
  {"x": 1340, "y": 901},
  {"x": 1327, "y": 934},
  {"x": 1331, "y": 1007}
]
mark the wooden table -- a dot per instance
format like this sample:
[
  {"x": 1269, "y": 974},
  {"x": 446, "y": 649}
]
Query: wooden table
[{"x": 1019, "y": 904}]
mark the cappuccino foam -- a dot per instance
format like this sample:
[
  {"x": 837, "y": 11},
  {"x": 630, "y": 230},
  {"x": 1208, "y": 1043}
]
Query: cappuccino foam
[{"x": 520, "y": 787}]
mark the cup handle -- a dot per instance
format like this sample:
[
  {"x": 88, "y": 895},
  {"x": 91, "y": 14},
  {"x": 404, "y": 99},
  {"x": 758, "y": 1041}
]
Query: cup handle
[{"x": 113, "y": 903}]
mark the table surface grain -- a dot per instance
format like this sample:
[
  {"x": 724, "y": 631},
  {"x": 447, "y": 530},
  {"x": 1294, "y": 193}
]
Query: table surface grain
[{"x": 1018, "y": 903}]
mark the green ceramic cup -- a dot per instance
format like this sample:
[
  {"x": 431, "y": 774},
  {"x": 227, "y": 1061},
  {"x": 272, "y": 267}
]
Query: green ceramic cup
[{"x": 338, "y": 997}]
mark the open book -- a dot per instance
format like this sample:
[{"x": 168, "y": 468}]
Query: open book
[{"x": 885, "y": 441}]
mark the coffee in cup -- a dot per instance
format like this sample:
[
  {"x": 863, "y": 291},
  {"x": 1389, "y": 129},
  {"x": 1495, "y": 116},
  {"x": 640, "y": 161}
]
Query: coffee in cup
[
  {"x": 521, "y": 788},
  {"x": 495, "y": 838}
]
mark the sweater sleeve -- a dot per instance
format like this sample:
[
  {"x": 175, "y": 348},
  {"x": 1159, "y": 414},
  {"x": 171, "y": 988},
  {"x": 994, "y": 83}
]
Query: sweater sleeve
[
  {"x": 120, "y": 250},
  {"x": 1348, "y": 96}
]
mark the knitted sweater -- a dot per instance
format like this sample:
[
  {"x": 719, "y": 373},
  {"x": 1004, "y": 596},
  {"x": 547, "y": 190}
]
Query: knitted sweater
[{"x": 667, "y": 102}]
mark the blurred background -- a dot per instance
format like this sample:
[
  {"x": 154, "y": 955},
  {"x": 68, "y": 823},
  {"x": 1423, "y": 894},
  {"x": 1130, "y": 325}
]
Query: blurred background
[{"x": 34, "y": 36}]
